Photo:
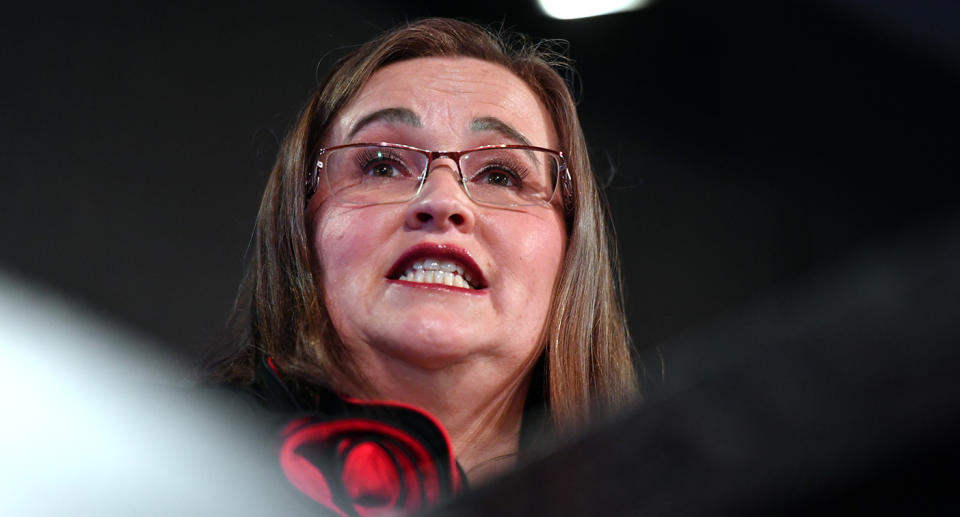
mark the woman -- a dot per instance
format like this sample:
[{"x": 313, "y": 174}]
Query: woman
[{"x": 473, "y": 289}]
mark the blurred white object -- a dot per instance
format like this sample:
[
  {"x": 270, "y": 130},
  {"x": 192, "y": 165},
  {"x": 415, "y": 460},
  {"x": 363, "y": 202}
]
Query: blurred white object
[
  {"x": 570, "y": 9},
  {"x": 96, "y": 425}
]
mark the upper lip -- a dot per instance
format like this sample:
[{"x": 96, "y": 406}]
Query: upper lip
[{"x": 440, "y": 252}]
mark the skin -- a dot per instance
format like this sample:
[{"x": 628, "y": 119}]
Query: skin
[{"x": 463, "y": 356}]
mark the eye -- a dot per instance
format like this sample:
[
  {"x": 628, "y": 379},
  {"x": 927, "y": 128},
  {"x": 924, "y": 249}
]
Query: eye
[
  {"x": 380, "y": 163},
  {"x": 498, "y": 176},
  {"x": 382, "y": 170}
]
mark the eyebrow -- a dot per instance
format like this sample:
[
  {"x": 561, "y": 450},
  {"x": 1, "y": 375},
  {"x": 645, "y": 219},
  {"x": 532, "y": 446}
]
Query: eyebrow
[
  {"x": 499, "y": 126},
  {"x": 398, "y": 115}
]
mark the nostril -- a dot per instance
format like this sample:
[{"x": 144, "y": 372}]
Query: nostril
[
  {"x": 424, "y": 217},
  {"x": 456, "y": 219}
]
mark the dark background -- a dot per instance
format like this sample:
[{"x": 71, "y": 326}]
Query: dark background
[{"x": 748, "y": 145}]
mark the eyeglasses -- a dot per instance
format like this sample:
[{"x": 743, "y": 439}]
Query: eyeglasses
[{"x": 498, "y": 175}]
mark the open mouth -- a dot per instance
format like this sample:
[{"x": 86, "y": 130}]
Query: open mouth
[{"x": 438, "y": 264}]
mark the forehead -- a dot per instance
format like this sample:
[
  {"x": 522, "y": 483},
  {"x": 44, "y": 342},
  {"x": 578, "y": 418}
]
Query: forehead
[{"x": 448, "y": 95}]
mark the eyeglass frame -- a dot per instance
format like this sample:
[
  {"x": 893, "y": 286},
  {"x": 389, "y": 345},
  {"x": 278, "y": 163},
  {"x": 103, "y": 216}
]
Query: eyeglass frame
[{"x": 564, "y": 179}]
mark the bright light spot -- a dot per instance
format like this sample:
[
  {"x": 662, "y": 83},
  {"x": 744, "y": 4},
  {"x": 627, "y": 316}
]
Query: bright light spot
[{"x": 570, "y": 9}]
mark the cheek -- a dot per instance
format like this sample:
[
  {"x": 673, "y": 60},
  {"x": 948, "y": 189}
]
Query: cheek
[
  {"x": 532, "y": 248},
  {"x": 331, "y": 242},
  {"x": 341, "y": 245},
  {"x": 343, "y": 235},
  {"x": 550, "y": 252}
]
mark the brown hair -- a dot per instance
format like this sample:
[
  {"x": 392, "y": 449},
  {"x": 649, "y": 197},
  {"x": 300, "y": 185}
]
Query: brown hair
[{"x": 279, "y": 310}]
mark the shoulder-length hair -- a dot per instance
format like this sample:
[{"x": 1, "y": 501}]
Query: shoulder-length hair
[{"x": 586, "y": 346}]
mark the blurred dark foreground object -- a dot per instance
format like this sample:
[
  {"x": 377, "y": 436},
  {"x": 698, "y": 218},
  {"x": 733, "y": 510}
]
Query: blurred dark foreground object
[{"x": 840, "y": 395}]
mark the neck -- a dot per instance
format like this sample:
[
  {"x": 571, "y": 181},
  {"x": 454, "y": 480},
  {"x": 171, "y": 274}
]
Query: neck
[{"x": 479, "y": 405}]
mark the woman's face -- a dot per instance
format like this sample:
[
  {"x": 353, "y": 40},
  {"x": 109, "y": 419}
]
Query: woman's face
[{"x": 513, "y": 253}]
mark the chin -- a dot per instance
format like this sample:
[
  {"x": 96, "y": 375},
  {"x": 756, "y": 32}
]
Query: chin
[{"x": 431, "y": 346}]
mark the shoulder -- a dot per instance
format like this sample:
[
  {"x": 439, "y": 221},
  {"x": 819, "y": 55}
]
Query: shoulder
[{"x": 268, "y": 394}]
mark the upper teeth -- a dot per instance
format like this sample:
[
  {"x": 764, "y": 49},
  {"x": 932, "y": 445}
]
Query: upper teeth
[{"x": 435, "y": 271}]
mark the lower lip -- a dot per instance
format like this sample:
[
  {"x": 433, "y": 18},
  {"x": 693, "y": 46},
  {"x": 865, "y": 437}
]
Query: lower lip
[{"x": 439, "y": 287}]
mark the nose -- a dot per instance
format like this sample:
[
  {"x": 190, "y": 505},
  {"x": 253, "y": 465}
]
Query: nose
[{"x": 442, "y": 203}]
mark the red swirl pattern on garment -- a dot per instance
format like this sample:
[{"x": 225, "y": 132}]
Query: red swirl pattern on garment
[{"x": 363, "y": 467}]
